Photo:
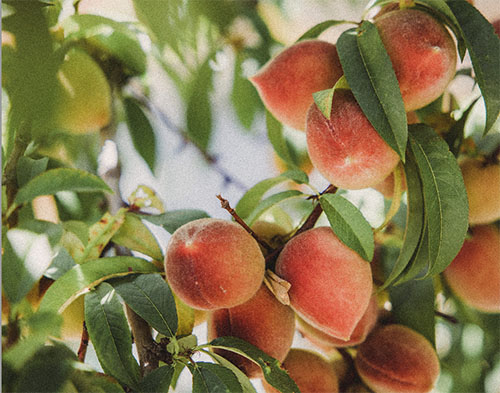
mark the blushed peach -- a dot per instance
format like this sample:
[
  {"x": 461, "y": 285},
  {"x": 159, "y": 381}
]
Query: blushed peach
[
  {"x": 422, "y": 52},
  {"x": 474, "y": 274},
  {"x": 262, "y": 321},
  {"x": 286, "y": 83},
  {"x": 397, "y": 359},
  {"x": 212, "y": 263},
  {"x": 327, "y": 342},
  {"x": 346, "y": 149},
  {"x": 331, "y": 285},
  {"x": 310, "y": 371}
]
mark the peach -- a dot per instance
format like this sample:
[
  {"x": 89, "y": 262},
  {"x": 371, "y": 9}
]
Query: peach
[
  {"x": 397, "y": 359},
  {"x": 327, "y": 342},
  {"x": 286, "y": 83},
  {"x": 422, "y": 52},
  {"x": 386, "y": 186},
  {"x": 212, "y": 263},
  {"x": 474, "y": 274},
  {"x": 482, "y": 182},
  {"x": 262, "y": 321},
  {"x": 346, "y": 149},
  {"x": 331, "y": 285},
  {"x": 310, "y": 371}
]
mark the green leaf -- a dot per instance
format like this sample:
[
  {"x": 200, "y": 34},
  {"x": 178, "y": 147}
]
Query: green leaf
[
  {"x": 157, "y": 380},
  {"x": 101, "y": 233},
  {"x": 349, "y": 224},
  {"x": 48, "y": 370},
  {"x": 273, "y": 373},
  {"x": 271, "y": 201},
  {"x": 324, "y": 98},
  {"x": 115, "y": 38},
  {"x": 420, "y": 261},
  {"x": 278, "y": 140},
  {"x": 28, "y": 168},
  {"x": 316, "y": 30},
  {"x": 251, "y": 199},
  {"x": 245, "y": 383},
  {"x": 82, "y": 278},
  {"x": 27, "y": 252},
  {"x": 175, "y": 218},
  {"x": 141, "y": 131},
  {"x": 61, "y": 263},
  {"x": 185, "y": 317},
  {"x": 214, "y": 378},
  {"x": 60, "y": 179},
  {"x": 484, "y": 49},
  {"x": 369, "y": 73},
  {"x": 199, "y": 108},
  {"x": 86, "y": 381},
  {"x": 445, "y": 198},
  {"x": 38, "y": 327},
  {"x": 109, "y": 332},
  {"x": 149, "y": 296},
  {"x": 136, "y": 236},
  {"x": 414, "y": 220},
  {"x": 245, "y": 99}
]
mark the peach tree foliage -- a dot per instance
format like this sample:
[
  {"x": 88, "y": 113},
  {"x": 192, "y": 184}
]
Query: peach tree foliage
[{"x": 85, "y": 250}]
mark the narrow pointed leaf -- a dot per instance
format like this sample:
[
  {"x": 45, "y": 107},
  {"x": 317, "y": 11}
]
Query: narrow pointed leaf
[
  {"x": 212, "y": 377},
  {"x": 60, "y": 179},
  {"x": 109, "y": 332},
  {"x": 316, "y": 30},
  {"x": 151, "y": 298},
  {"x": 242, "y": 378},
  {"x": 157, "y": 380},
  {"x": 278, "y": 140},
  {"x": 174, "y": 219},
  {"x": 349, "y": 224},
  {"x": 269, "y": 202}
]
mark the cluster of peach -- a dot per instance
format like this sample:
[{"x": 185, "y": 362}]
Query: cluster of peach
[{"x": 215, "y": 265}]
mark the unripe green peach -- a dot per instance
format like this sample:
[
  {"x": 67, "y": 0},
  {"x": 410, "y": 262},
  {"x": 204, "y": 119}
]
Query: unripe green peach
[
  {"x": 422, "y": 52},
  {"x": 397, "y": 359},
  {"x": 346, "y": 149},
  {"x": 327, "y": 342},
  {"x": 83, "y": 100},
  {"x": 212, "y": 263},
  {"x": 286, "y": 83},
  {"x": 310, "y": 371},
  {"x": 482, "y": 182},
  {"x": 262, "y": 321},
  {"x": 331, "y": 285},
  {"x": 474, "y": 274}
]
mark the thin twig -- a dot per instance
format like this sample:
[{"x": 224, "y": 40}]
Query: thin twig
[
  {"x": 447, "y": 317},
  {"x": 84, "y": 343},
  {"x": 225, "y": 205}
]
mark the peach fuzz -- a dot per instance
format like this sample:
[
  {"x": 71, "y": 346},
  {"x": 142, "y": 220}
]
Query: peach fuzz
[
  {"x": 212, "y": 263},
  {"x": 286, "y": 83},
  {"x": 474, "y": 274},
  {"x": 331, "y": 285},
  {"x": 482, "y": 182},
  {"x": 327, "y": 342},
  {"x": 262, "y": 321},
  {"x": 346, "y": 149},
  {"x": 397, "y": 359},
  {"x": 422, "y": 52},
  {"x": 310, "y": 371}
]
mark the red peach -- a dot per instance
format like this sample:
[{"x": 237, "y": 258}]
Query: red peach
[
  {"x": 346, "y": 149},
  {"x": 474, "y": 274},
  {"x": 212, "y": 263},
  {"x": 331, "y": 285},
  {"x": 397, "y": 359},
  {"x": 262, "y": 321},
  {"x": 422, "y": 52},
  {"x": 286, "y": 83},
  {"x": 310, "y": 371}
]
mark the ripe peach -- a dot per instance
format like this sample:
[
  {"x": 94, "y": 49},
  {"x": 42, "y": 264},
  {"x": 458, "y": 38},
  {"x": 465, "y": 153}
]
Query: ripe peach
[
  {"x": 327, "y": 342},
  {"x": 262, "y": 321},
  {"x": 310, "y": 371},
  {"x": 331, "y": 285},
  {"x": 212, "y": 263},
  {"x": 422, "y": 52},
  {"x": 397, "y": 359},
  {"x": 286, "y": 83},
  {"x": 346, "y": 149},
  {"x": 482, "y": 182},
  {"x": 474, "y": 274}
]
